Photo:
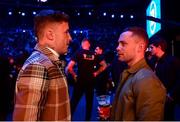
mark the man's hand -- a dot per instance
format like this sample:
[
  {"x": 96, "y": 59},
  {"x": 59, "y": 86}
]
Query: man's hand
[
  {"x": 95, "y": 74},
  {"x": 75, "y": 78}
]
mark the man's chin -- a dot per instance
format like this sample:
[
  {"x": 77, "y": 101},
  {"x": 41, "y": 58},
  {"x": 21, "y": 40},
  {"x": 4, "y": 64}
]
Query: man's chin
[
  {"x": 120, "y": 59},
  {"x": 65, "y": 52}
]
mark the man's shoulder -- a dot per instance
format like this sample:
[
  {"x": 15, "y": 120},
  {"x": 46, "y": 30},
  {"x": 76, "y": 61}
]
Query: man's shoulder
[
  {"x": 38, "y": 58},
  {"x": 145, "y": 73},
  {"x": 147, "y": 78}
]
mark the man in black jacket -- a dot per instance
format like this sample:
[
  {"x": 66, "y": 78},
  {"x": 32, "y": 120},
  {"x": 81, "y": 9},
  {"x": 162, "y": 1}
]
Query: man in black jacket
[
  {"x": 167, "y": 68},
  {"x": 6, "y": 90}
]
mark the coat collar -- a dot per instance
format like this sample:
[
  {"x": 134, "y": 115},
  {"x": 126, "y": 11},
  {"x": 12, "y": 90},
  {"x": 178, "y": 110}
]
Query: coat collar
[
  {"x": 139, "y": 65},
  {"x": 47, "y": 52}
]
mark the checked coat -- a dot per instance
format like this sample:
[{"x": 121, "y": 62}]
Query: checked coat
[{"x": 41, "y": 89}]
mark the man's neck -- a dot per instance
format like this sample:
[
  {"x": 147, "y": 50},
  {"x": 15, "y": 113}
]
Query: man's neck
[
  {"x": 85, "y": 48},
  {"x": 137, "y": 59},
  {"x": 160, "y": 54},
  {"x": 53, "y": 51}
]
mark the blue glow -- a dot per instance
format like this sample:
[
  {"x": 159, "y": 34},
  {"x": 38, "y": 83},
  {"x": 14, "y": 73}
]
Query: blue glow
[
  {"x": 10, "y": 13},
  {"x": 122, "y": 16},
  {"x": 34, "y": 13},
  {"x": 131, "y": 16},
  {"x": 104, "y": 14},
  {"x": 153, "y": 10},
  {"x": 74, "y": 31},
  {"x": 112, "y": 16},
  {"x": 43, "y": 0},
  {"x": 90, "y": 13},
  {"x": 23, "y": 14}
]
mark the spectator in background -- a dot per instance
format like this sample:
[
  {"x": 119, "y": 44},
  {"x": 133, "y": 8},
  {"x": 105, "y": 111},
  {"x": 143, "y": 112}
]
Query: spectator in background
[
  {"x": 140, "y": 94},
  {"x": 85, "y": 77},
  {"x": 5, "y": 89},
  {"x": 41, "y": 88},
  {"x": 102, "y": 78},
  {"x": 167, "y": 68}
]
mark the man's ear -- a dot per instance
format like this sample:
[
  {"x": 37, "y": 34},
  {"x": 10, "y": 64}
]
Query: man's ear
[
  {"x": 141, "y": 46},
  {"x": 50, "y": 34},
  {"x": 159, "y": 47}
]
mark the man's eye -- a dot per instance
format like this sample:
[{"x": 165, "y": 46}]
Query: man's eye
[
  {"x": 122, "y": 44},
  {"x": 67, "y": 31}
]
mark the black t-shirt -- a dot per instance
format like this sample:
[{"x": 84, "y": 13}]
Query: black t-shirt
[
  {"x": 98, "y": 59},
  {"x": 86, "y": 62}
]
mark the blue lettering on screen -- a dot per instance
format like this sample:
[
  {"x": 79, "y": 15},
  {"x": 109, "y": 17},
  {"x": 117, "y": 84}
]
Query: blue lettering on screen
[{"x": 153, "y": 10}]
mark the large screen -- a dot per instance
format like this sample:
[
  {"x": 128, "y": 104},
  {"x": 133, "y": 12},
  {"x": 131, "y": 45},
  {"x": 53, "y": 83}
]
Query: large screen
[{"x": 153, "y": 10}]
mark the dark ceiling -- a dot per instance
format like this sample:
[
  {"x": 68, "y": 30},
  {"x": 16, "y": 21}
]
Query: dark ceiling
[
  {"x": 136, "y": 7},
  {"x": 170, "y": 8},
  {"x": 121, "y": 4}
]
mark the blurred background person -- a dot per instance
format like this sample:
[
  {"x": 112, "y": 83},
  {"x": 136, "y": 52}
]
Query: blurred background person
[
  {"x": 6, "y": 102},
  {"x": 85, "y": 77},
  {"x": 167, "y": 68},
  {"x": 103, "y": 77}
]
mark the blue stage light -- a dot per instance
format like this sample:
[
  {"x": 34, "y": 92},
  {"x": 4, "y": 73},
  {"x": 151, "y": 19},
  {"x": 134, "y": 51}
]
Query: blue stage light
[
  {"x": 9, "y": 13},
  {"x": 122, "y": 16}
]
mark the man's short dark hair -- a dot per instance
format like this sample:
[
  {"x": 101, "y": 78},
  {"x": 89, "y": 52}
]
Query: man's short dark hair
[
  {"x": 48, "y": 16},
  {"x": 141, "y": 32},
  {"x": 158, "y": 41},
  {"x": 86, "y": 39},
  {"x": 100, "y": 46}
]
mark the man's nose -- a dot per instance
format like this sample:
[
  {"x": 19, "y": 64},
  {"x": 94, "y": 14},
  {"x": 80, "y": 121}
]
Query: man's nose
[
  {"x": 70, "y": 38},
  {"x": 117, "y": 48}
]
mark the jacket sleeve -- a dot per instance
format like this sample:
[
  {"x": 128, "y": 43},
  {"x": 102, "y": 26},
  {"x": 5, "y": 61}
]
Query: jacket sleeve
[
  {"x": 150, "y": 97},
  {"x": 31, "y": 90},
  {"x": 174, "y": 91}
]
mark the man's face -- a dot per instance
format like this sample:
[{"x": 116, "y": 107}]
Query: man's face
[
  {"x": 127, "y": 47},
  {"x": 62, "y": 37},
  {"x": 153, "y": 49},
  {"x": 85, "y": 45},
  {"x": 98, "y": 51}
]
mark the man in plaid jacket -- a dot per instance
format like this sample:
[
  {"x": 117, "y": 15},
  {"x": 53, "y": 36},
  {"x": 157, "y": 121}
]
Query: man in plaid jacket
[{"x": 41, "y": 88}]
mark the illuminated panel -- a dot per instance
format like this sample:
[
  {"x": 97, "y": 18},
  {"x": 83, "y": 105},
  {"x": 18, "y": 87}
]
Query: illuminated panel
[{"x": 153, "y": 10}]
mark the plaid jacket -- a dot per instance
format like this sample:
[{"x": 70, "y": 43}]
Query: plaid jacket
[{"x": 41, "y": 88}]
